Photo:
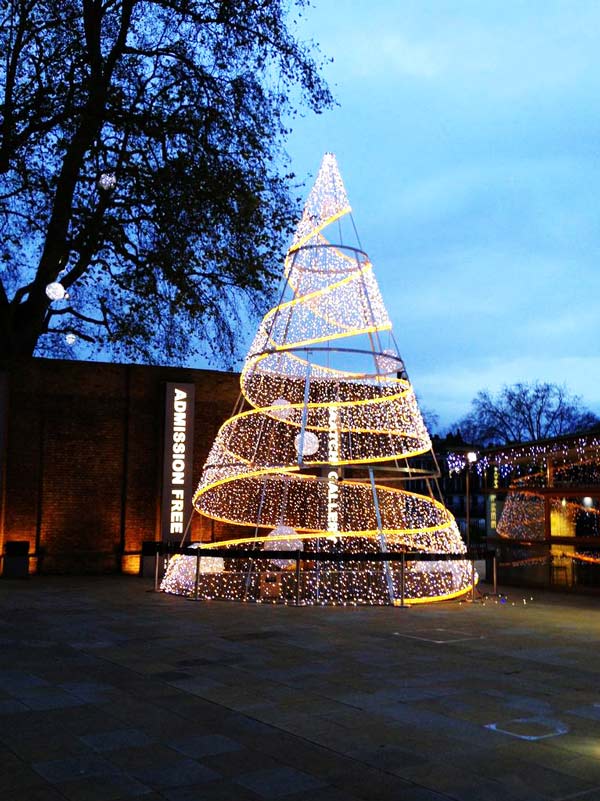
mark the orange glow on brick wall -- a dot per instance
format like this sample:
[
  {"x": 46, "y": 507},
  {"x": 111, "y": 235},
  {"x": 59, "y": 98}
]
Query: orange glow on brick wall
[{"x": 130, "y": 564}]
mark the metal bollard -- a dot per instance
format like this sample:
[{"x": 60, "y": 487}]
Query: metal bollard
[
  {"x": 402, "y": 580},
  {"x": 197, "y": 583},
  {"x": 297, "y": 578},
  {"x": 156, "y": 563}
]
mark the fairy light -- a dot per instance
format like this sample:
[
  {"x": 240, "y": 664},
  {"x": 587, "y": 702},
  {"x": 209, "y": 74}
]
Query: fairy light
[
  {"x": 283, "y": 538},
  {"x": 343, "y": 422},
  {"x": 574, "y": 463},
  {"x": 388, "y": 362},
  {"x": 180, "y": 575},
  {"x": 522, "y": 517},
  {"x": 326, "y": 203},
  {"x": 333, "y": 474},
  {"x": 563, "y": 449},
  {"x": 456, "y": 462}
]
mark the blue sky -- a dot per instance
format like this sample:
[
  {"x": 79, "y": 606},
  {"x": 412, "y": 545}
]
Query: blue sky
[{"x": 468, "y": 137}]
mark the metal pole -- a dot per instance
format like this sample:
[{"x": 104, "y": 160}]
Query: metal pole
[
  {"x": 197, "y": 583},
  {"x": 495, "y": 574},
  {"x": 156, "y": 558},
  {"x": 187, "y": 528},
  {"x": 252, "y": 562},
  {"x": 402, "y": 580},
  {"x": 468, "y": 500},
  {"x": 318, "y": 571},
  {"x": 304, "y": 418},
  {"x": 382, "y": 543},
  {"x": 297, "y": 578}
]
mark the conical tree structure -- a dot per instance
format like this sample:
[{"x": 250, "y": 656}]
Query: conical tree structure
[{"x": 331, "y": 434}]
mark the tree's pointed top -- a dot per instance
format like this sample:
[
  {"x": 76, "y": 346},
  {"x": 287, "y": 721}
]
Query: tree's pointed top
[{"x": 327, "y": 201}]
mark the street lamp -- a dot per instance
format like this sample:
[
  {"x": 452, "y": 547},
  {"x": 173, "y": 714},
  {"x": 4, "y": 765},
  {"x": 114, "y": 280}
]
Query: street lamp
[{"x": 471, "y": 459}]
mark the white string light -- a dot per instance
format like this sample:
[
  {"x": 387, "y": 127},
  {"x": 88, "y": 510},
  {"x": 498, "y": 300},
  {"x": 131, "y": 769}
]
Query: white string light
[{"x": 343, "y": 420}]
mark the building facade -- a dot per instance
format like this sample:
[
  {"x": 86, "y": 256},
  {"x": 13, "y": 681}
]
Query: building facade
[
  {"x": 83, "y": 460},
  {"x": 543, "y": 515}
]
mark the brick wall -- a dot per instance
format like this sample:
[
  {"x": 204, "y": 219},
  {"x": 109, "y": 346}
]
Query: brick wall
[{"x": 84, "y": 459}]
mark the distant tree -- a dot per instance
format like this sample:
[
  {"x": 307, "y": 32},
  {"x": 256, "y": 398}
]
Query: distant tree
[
  {"x": 140, "y": 169},
  {"x": 430, "y": 418},
  {"x": 524, "y": 412}
]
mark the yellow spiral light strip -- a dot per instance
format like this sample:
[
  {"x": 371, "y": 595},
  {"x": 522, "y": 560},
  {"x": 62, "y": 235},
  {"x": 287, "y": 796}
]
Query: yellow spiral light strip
[{"x": 302, "y": 455}]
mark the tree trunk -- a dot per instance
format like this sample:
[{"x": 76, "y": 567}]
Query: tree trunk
[
  {"x": 21, "y": 326},
  {"x": 4, "y": 387}
]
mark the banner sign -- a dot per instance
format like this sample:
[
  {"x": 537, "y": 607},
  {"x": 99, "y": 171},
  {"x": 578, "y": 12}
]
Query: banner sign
[{"x": 178, "y": 460}]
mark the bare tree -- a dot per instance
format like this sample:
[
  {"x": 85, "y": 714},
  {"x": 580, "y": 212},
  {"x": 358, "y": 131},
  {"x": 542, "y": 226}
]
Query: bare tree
[
  {"x": 141, "y": 170},
  {"x": 524, "y": 412}
]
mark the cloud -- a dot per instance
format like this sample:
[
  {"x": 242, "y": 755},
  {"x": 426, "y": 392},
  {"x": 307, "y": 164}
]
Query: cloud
[
  {"x": 503, "y": 50},
  {"x": 394, "y": 55},
  {"x": 468, "y": 138}
]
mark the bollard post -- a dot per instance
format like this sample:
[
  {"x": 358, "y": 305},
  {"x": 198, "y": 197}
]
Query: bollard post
[
  {"x": 297, "y": 578},
  {"x": 402, "y": 580},
  {"x": 495, "y": 574},
  {"x": 156, "y": 563},
  {"x": 197, "y": 583}
]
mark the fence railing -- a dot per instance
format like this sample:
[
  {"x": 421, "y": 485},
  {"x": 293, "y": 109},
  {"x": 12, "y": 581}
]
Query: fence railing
[{"x": 300, "y": 557}]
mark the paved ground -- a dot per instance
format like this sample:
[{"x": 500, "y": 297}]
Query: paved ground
[{"x": 111, "y": 691}]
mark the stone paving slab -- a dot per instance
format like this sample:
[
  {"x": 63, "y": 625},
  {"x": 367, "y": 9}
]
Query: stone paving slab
[{"x": 110, "y": 691}]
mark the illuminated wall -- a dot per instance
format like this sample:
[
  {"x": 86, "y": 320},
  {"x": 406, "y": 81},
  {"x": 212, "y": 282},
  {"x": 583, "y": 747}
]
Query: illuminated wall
[{"x": 84, "y": 459}]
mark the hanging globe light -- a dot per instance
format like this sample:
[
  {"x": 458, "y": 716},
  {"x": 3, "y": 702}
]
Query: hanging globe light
[
  {"x": 291, "y": 544},
  {"x": 310, "y": 445},
  {"x": 56, "y": 291},
  {"x": 107, "y": 181},
  {"x": 70, "y": 339},
  {"x": 283, "y": 410}
]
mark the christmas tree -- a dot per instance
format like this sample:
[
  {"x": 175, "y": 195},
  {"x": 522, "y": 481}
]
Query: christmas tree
[{"x": 329, "y": 445}]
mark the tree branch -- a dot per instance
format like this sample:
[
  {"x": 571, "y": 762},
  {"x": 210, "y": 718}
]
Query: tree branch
[
  {"x": 71, "y": 330},
  {"x": 74, "y": 313}
]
